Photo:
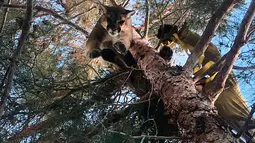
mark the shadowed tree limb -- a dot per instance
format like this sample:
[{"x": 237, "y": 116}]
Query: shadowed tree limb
[
  {"x": 113, "y": 3},
  {"x": 240, "y": 40},
  {"x": 51, "y": 12},
  {"x": 148, "y": 137},
  {"x": 4, "y": 78},
  {"x": 56, "y": 15},
  {"x": 244, "y": 68},
  {"x": 245, "y": 127},
  {"x": 125, "y": 3},
  {"x": 147, "y": 19},
  {"x": 63, "y": 4},
  {"x": 109, "y": 120},
  {"x": 1, "y": 3},
  {"x": 30, "y": 130},
  {"x": 79, "y": 14},
  {"x": 16, "y": 55},
  {"x": 156, "y": 137},
  {"x": 208, "y": 34},
  {"x": 251, "y": 31},
  {"x": 68, "y": 92},
  {"x": 251, "y": 40},
  {"x": 4, "y": 17}
]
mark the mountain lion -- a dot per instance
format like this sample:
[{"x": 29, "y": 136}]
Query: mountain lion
[{"x": 111, "y": 37}]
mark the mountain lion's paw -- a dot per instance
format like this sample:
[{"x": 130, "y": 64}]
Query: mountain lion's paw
[
  {"x": 120, "y": 48},
  {"x": 94, "y": 54}
]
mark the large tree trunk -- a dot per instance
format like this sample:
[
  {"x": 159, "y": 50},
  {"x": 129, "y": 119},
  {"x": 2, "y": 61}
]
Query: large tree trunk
[{"x": 195, "y": 115}]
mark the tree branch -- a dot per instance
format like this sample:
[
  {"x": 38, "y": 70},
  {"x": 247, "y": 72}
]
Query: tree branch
[
  {"x": 125, "y": 3},
  {"x": 53, "y": 13},
  {"x": 216, "y": 67},
  {"x": 147, "y": 19},
  {"x": 146, "y": 136},
  {"x": 14, "y": 6},
  {"x": 30, "y": 130},
  {"x": 233, "y": 54},
  {"x": 113, "y": 2},
  {"x": 109, "y": 120},
  {"x": 244, "y": 68},
  {"x": 251, "y": 31},
  {"x": 3, "y": 80},
  {"x": 156, "y": 137},
  {"x": 207, "y": 36},
  {"x": 183, "y": 104},
  {"x": 16, "y": 55},
  {"x": 251, "y": 40},
  {"x": 245, "y": 127},
  {"x": 4, "y": 17},
  {"x": 1, "y": 3}
]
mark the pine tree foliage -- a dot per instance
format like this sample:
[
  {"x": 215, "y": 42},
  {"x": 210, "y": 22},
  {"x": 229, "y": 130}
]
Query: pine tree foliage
[{"x": 55, "y": 98}]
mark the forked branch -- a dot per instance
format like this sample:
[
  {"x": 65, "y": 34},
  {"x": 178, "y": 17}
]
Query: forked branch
[
  {"x": 125, "y": 3},
  {"x": 16, "y": 55},
  {"x": 207, "y": 36},
  {"x": 240, "y": 40},
  {"x": 51, "y": 12}
]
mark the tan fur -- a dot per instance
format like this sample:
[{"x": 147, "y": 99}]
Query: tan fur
[{"x": 100, "y": 38}]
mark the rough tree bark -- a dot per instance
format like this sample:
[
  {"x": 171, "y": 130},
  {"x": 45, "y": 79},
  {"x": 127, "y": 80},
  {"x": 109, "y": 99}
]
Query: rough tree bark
[{"x": 195, "y": 114}]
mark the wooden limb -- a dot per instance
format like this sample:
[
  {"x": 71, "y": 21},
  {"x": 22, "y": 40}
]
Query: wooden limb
[
  {"x": 125, "y": 3},
  {"x": 216, "y": 67},
  {"x": 195, "y": 115},
  {"x": 1, "y": 3},
  {"x": 233, "y": 54},
  {"x": 3, "y": 80},
  {"x": 147, "y": 19},
  {"x": 68, "y": 92},
  {"x": 76, "y": 5},
  {"x": 159, "y": 13},
  {"x": 79, "y": 14},
  {"x": 14, "y": 6},
  {"x": 29, "y": 130},
  {"x": 109, "y": 120},
  {"x": 251, "y": 31},
  {"x": 251, "y": 40},
  {"x": 66, "y": 21},
  {"x": 16, "y": 55},
  {"x": 4, "y": 17},
  {"x": 148, "y": 137},
  {"x": 251, "y": 126},
  {"x": 166, "y": 15},
  {"x": 113, "y": 2},
  {"x": 51, "y": 12},
  {"x": 244, "y": 68},
  {"x": 208, "y": 34},
  {"x": 245, "y": 127},
  {"x": 63, "y": 4},
  {"x": 156, "y": 137}
]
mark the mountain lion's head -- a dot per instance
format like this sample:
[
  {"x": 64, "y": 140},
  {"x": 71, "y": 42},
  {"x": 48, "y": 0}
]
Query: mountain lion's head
[{"x": 115, "y": 18}]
